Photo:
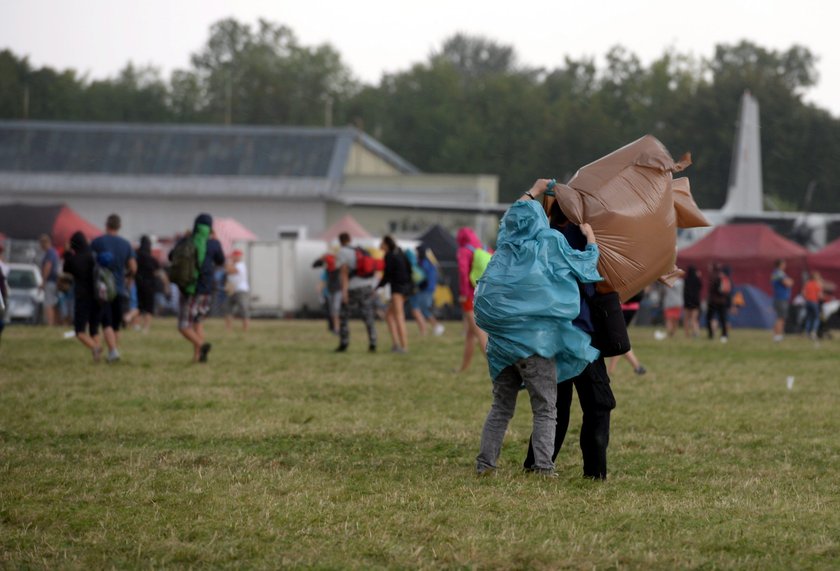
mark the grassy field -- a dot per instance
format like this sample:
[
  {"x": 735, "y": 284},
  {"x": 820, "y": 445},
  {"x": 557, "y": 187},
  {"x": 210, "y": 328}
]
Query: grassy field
[{"x": 280, "y": 453}]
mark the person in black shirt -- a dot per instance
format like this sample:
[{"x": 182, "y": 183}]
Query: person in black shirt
[
  {"x": 148, "y": 272},
  {"x": 4, "y": 291},
  {"x": 79, "y": 262},
  {"x": 398, "y": 274},
  {"x": 691, "y": 302}
]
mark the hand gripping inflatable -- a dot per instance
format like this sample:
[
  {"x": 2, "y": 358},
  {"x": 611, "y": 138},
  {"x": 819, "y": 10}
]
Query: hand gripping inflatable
[{"x": 635, "y": 206}]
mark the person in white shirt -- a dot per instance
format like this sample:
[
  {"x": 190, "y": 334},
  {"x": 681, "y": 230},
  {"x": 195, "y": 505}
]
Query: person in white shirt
[{"x": 238, "y": 291}]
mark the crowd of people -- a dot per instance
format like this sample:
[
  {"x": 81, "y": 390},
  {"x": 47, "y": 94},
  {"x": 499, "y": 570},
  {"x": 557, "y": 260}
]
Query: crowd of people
[
  {"x": 107, "y": 284},
  {"x": 684, "y": 301}
]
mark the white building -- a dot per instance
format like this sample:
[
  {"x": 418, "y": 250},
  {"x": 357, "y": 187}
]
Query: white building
[{"x": 271, "y": 179}]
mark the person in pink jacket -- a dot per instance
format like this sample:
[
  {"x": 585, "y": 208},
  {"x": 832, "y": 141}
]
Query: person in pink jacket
[{"x": 468, "y": 242}]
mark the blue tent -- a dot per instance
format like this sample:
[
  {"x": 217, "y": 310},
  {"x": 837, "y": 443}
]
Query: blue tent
[{"x": 758, "y": 310}]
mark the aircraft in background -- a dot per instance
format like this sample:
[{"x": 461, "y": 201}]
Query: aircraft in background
[{"x": 745, "y": 197}]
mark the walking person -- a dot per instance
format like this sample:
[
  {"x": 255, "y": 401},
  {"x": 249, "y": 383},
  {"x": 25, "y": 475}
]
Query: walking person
[
  {"x": 356, "y": 295},
  {"x": 812, "y": 292},
  {"x": 397, "y": 274},
  {"x": 238, "y": 301},
  {"x": 691, "y": 302},
  {"x": 145, "y": 281},
  {"x": 720, "y": 296},
  {"x": 195, "y": 298},
  {"x": 4, "y": 291},
  {"x": 330, "y": 289},
  {"x": 49, "y": 277},
  {"x": 422, "y": 302},
  {"x": 629, "y": 309},
  {"x": 468, "y": 243},
  {"x": 79, "y": 263},
  {"x": 114, "y": 253},
  {"x": 526, "y": 301},
  {"x": 782, "y": 286},
  {"x": 672, "y": 304}
]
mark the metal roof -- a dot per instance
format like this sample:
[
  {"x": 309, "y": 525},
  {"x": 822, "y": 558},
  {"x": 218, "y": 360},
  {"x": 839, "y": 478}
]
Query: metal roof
[{"x": 179, "y": 150}]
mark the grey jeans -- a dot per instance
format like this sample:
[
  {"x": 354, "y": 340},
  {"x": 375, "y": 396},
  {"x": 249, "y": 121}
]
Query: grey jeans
[
  {"x": 361, "y": 300},
  {"x": 540, "y": 378}
]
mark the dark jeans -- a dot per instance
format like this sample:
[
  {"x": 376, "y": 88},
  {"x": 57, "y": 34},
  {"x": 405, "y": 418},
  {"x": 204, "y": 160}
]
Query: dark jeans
[
  {"x": 112, "y": 313},
  {"x": 720, "y": 311},
  {"x": 596, "y": 401}
]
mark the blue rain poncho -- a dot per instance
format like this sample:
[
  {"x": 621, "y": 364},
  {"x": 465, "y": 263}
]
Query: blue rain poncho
[{"x": 528, "y": 296}]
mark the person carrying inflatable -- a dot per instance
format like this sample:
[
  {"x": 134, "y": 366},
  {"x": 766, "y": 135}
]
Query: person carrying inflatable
[{"x": 526, "y": 301}]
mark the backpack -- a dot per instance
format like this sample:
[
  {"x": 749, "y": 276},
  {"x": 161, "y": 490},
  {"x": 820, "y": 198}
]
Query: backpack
[
  {"x": 329, "y": 261},
  {"x": 365, "y": 264},
  {"x": 104, "y": 284},
  {"x": 481, "y": 258},
  {"x": 184, "y": 266},
  {"x": 418, "y": 276}
]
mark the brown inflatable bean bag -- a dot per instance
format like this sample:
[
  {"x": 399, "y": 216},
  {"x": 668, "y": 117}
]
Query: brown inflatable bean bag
[{"x": 635, "y": 206}]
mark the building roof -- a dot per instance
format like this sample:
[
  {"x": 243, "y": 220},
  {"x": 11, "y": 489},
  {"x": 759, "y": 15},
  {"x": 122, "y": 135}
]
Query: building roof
[{"x": 159, "y": 150}]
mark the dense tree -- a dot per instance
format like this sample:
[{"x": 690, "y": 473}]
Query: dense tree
[
  {"x": 135, "y": 95},
  {"x": 262, "y": 76},
  {"x": 472, "y": 107}
]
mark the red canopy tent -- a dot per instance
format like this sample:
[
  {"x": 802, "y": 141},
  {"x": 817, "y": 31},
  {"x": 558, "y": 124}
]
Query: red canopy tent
[
  {"x": 750, "y": 251},
  {"x": 827, "y": 262},
  {"x": 58, "y": 221}
]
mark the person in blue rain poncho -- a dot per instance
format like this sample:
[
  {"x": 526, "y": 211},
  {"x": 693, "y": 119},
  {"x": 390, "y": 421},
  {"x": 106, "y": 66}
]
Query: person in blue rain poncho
[{"x": 526, "y": 302}]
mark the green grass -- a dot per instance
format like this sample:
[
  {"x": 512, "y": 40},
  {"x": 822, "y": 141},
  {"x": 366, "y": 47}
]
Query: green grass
[{"x": 281, "y": 454}]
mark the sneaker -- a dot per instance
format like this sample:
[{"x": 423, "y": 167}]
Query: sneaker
[
  {"x": 724, "y": 339},
  {"x": 113, "y": 356},
  {"x": 97, "y": 354},
  {"x": 485, "y": 473},
  {"x": 439, "y": 329},
  {"x": 341, "y": 348},
  {"x": 202, "y": 352},
  {"x": 544, "y": 473},
  {"x": 640, "y": 370},
  {"x": 371, "y": 348},
  {"x": 778, "y": 338}
]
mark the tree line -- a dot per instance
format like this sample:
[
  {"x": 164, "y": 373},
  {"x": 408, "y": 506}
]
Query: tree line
[{"x": 473, "y": 107}]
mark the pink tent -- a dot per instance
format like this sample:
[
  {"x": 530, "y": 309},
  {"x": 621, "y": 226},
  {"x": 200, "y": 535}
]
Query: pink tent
[
  {"x": 344, "y": 224},
  {"x": 229, "y": 230}
]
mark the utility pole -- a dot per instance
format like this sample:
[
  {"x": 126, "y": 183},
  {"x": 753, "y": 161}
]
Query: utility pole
[
  {"x": 228, "y": 99},
  {"x": 328, "y": 112}
]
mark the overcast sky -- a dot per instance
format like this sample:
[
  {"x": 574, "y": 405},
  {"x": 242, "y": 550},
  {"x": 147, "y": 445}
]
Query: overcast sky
[{"x": 98, "y": 37}]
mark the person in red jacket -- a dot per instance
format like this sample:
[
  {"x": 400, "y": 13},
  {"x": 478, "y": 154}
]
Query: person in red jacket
[{"x": 468, "y": 242}]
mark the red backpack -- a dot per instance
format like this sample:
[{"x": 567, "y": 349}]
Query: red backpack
[{"x": 365, "y": 264}]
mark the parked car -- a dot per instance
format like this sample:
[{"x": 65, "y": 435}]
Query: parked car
[{"x": 26, "y": 298}]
